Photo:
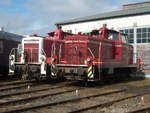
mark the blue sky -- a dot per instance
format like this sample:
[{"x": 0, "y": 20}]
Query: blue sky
[{"x": 39, "y": 16}]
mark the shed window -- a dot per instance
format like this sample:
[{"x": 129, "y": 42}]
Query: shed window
[
  {"x": 69, "y": 31},
  {"x": 130, "y": 34},
  {"x": 1, "y": 47},
  {"x": 143, "y": 35}
]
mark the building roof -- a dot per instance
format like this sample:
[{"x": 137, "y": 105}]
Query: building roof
[
  {"x": 10, "y": 36},
  {"x": 108, "y": 15},
  {"x": 137, "y": 3}
]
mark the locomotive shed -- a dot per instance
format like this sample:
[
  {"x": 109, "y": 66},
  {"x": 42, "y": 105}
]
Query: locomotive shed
[{"x": 128, "y": 96}]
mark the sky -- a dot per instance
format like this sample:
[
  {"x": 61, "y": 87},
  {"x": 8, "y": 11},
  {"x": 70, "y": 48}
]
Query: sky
[{"x": 40, "y": 16}]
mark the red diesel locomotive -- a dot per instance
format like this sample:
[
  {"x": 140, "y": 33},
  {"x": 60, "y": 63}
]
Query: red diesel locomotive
[
  {"x": 36, "y": 56},
  {"x": 93, "y": 57},
  {"x": 97, "y": 56}
]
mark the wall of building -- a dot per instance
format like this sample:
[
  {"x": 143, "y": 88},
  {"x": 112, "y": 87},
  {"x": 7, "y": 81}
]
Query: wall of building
[{"x": 115, "y": 23}]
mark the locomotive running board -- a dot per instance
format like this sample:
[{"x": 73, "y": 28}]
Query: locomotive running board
[{"x": 59, "y": 65}]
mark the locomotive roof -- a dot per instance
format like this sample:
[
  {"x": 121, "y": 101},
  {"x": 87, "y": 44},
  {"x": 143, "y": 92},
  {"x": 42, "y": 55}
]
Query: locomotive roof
[{"x": 108, "y": 15}]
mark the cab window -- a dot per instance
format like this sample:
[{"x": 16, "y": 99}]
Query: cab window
[
  {"x": 124, "y": 38},
  {"x": 95, "y": 33},
  {"x": 113, "y": 35},
  {"x": 19, "y": 49}
]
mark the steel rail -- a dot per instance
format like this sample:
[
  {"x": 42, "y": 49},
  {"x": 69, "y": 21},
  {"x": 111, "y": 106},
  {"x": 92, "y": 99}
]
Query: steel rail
[
  {"x": 35, "y": 97},
  {"x": 16, "y": 83},
  {"x": 107, "y": 104},
  {"x": 29, "y": 91},
  {"x": 25, "y": 108},
  {"x": 18, "y": 87},
  {"x": 140, "y": 110}
]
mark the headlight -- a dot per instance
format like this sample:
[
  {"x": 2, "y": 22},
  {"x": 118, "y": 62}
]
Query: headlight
[
  {"x": 88, "y": 59},
  {"x": 53, "y": 59},
  {"x": 85, "y": 62},
  {"x": 42, "y": 58}
]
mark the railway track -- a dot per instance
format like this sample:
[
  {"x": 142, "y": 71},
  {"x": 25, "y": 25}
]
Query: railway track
[
  {"x": 34, "y": 97},
  {"x": 143, "y": 110},
  {"x": 26, "y": 101},
  {"x": 13, "y": 89},
  {"x": 32, "y": 91},
  {"x": 29, "y": 91},
  {"x": 99, "y": 105},
  {"x": 33, "y": 88},
  {"x": 18, "y": 87},
  {"x": 107, "y": 104},
  {"x": 24, "y": 108},
  {"x": 16, "y": 82}
]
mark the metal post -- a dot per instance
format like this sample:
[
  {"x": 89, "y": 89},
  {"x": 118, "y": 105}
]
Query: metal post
[
  {"x": 135, "y": 45},
  {"x": 31, "y": 55}
]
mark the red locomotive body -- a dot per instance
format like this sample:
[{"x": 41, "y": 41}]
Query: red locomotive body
[
  {"x": 36, "y": 56},
  {"x": 96, "y": 56}
]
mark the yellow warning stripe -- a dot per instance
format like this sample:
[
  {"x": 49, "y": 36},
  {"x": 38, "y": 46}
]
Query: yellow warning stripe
[
  {"x": 90, "y": 72},
  {"x": 90, "y": 68}
]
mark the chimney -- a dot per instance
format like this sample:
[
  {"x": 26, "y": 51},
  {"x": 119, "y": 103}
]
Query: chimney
[{"x": 104, "y": 25}]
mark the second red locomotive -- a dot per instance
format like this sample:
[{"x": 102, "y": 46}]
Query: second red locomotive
[{"x": 97, "y": 56}]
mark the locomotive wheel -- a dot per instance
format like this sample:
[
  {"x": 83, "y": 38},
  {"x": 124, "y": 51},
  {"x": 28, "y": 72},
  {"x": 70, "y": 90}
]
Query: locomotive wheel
[
  {"x": 58, "y": 75},
  {"x": 38, "y": 78},
  {"x": 61, "y": 75},
  {"x": 25, "y": 77},
  {"x": 54, "y": 71},
  {"x": 54, "y": 75}
]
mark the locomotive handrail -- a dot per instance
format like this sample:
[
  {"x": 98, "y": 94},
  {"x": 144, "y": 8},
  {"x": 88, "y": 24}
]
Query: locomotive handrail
[
  {"x": 12, "y": 51},
  {"x": 15, "y": 53},
  {"x": 60, "y": 51},
  {"x": 91, "y": 52},
  {"x": 44, "y": 53},
  {"x": 53, "y": 50},
  {"x": 31, "y": 51},
  {"x": 99, "y": 57}
]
